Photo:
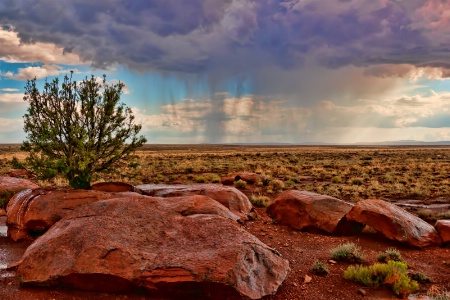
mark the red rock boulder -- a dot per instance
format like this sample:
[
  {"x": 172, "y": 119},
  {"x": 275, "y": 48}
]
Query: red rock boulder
[
  {"x": 394, "y": 223},
  {"x": 247, "y": 177},
  {"x": 14, "y": 185},
  {"x": 443, "y": 227},
  {"x": 115, "y": 187},
  {"x": 31, "y": 212},
  {"x": 120, "y": 245},
  {"x": 230, "y": 197},
  {"x": 306, "y": 210}
]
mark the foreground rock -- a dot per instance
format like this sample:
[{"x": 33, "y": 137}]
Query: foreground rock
[
  {"x": 31, "y": 212},
  {"x": 230, "y": 197},
  {"x": 443, "y": 227},
  {"x": 304, "y": 210},
  {"x": 394, "y": 222},
  {"x": 115, "y": 187},
  {"x": 120, "y": 245},
  {"x": 14, "y": 185}
]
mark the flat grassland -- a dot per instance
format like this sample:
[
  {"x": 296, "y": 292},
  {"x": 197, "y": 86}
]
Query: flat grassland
[{"x": 405, "y": 174}]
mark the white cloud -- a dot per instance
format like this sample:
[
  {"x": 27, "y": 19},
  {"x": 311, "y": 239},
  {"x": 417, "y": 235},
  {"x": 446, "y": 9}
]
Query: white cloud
[
  {"x": 13, "y": 51},
  {"x": 10, "y": 125},
  {"x": 9, "y": 90},
  {"x": 11, "y": 98},
  {"x": 38, "y": 72}
]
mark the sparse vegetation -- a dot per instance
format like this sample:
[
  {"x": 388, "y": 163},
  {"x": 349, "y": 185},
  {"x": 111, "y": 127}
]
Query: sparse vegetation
[
  {"x": 260, "y": 200},
  {"x": 393, "y": 173},
  {"x": 320, "y": 268},
  {"x": 349, "y": 252},
  {"x": 240, "y": 183},
  {"x": 5, "y": 196},
  {"x": 392, "y": 273},
  {"x": 389, "y": 254}
]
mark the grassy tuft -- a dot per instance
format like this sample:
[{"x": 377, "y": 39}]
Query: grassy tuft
[
  {"x": 392, "y": 273},
  {"x": 347, "y": 252}
]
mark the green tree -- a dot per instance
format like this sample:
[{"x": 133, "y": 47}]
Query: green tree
[{"x": 78, "y": 129}]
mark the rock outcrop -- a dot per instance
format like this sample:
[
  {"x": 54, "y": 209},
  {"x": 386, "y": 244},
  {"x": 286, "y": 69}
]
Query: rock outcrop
[
  {"x": 15, "y": 185},
  {"x": 247, "y": 177},
  {"x": 31, "y": 212},
  {"x": 443, "y": 227},
  {"x": 230, "y": 197},
  {"x": 149, "y": 243},
  {"x": 115, "y": 187},
  {"x": 304, "y": 210},
  {"x": 394, "y": 223}
]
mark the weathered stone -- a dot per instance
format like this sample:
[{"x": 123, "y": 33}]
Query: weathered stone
[
  {"x": 247, "y": 177},
  {"x": 119, "y": 245},
  {"x": 443, "y": 227},
  {"x": 115, "y": 187},
  {"x": 394, "y": 223},
  {"x": 31, "y": 212},
  {"x": 303, "y": 210},
  {"x": 20, "y": 174},
  {"x": 230, "y": 197},
  {"x": 14, "y": 185}
]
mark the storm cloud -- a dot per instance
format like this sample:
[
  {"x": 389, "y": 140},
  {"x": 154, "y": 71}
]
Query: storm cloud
[{"x": 237, "y": 35}]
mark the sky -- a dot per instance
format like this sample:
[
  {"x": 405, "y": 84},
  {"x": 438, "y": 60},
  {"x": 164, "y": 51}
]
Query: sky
[{"x": 242, "y": 71}]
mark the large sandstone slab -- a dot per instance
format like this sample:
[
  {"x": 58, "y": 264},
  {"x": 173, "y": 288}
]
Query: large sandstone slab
[
  {"x": 120, "y": 245},
  {"x": 15, "y": 185},
  {"x": 230, "y": 197},
  {"x": 394, "y": 223},
  {"x": 31, "y": 212},
  {"x": 443, "y": 227},
  {"x": 304, "y": 210}
]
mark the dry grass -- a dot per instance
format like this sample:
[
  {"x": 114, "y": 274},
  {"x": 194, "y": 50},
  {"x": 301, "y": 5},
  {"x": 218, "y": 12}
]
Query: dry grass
[{"x": 343, "y": 172}]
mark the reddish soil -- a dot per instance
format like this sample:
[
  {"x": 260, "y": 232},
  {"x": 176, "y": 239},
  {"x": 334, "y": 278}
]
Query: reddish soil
[{"x": 300, "y": 248}]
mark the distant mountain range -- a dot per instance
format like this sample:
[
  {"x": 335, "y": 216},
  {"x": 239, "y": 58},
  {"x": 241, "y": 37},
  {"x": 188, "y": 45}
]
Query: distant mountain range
[{"x": 385, "y": 143}]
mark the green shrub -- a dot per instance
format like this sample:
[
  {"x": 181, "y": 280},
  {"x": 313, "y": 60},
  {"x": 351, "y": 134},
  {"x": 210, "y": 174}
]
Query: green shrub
[
  {"x": 260, "y": 200},
  {"x": 200, "y": 179},
  {"x": 319, "y": 268},
  {"x": 336, "y": 179},
  {"x": 240, "y": 183},
  {"x": 347, "y": 252},
  {"x": 5, "y": 196},
  {"x": 420, "y": 277},
  {"x": 389, "y": 254},
  {"x": 276, "y": 184},
  {"x": 78, "y": 129},
  {"x": 289, "y": 184},
  {"x": 214, "y": 178},
  {"x": 392, "y": 273}
]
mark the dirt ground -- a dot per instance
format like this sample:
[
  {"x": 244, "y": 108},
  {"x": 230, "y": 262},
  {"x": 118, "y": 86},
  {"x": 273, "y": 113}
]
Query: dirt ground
[{"x": 302, "y": 249}]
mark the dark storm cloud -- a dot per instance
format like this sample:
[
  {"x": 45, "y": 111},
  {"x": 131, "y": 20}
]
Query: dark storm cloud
[{"x": 237, "y": 35}]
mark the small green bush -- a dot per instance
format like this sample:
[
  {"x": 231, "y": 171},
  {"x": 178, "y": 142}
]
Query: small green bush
[
  {"x": 392, "y": 273},
  {"x": 276, "y": 184},
  {"x": 214, "y": 178},
  {"x": 389, "y": 254},
  {"x": 289, "y": 184},
  {"x": 5, "y": 196},
  {"x": 260, "y": 200},
  {"x": 200, "y": 179},
  {"x": 347, "y": 252},
  {"x": 319, "y": 268},
  {"x": 240, "y": 183},
  {"x": 421, "y": 278},
  {"x": 336, "y": 179}
]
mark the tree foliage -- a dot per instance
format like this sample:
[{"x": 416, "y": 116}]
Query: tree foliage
[{"x": 78, "y": 129}]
